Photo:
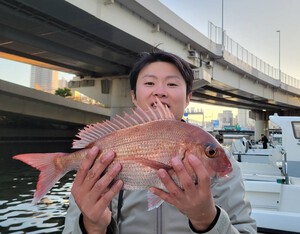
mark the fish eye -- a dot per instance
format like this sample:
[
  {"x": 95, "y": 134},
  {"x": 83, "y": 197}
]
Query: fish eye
[{"x": 210, "y": 151}]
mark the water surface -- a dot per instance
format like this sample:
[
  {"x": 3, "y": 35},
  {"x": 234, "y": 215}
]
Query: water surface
[{"x": 17, "y": 213}]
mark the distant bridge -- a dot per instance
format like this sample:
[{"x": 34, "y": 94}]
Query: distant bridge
[{"x": 31, "y": 115}]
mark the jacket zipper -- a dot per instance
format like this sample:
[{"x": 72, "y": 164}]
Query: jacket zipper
[{"x": 159, "y": 219}]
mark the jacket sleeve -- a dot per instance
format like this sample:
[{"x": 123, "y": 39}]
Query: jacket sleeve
[
  {"x": 229, "y": 196},
  {"x": 72, "y": 218}
]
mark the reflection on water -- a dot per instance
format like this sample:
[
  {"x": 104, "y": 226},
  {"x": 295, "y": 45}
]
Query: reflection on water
[{"x": 18, "y": 214}]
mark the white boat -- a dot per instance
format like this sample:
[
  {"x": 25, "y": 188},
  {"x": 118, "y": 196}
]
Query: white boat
[
  {"x": 273, "y": 186},
  {"x": 244, "y": 151}
]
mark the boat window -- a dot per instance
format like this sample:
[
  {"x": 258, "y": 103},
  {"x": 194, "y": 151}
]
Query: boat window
[{"x": 296, "y": 129}]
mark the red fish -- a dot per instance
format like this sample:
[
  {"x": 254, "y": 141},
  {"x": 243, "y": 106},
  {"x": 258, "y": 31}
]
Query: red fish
[{"x": 143, "y": 141}]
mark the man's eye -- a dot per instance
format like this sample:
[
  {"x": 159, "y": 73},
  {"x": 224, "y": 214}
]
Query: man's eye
[
  {"x": 172, "y": 84},
  {"x": 149, "y": 83}
]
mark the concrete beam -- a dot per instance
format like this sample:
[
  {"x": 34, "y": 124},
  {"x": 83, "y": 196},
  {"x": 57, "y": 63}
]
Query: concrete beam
[
  {"x": 25, "y": 101},
  {"x": 115, "y": 95}
]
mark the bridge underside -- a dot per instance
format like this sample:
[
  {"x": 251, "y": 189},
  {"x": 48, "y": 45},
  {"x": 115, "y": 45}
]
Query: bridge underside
[
  {"x": 24, "y": 127},
  {"x": 58, "y": 35},
  {"x": 217, "y": 93},
  {"x": 64, "y": 37}
]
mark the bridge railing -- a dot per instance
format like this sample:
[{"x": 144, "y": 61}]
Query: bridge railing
[{"x": 232, "y": 47}]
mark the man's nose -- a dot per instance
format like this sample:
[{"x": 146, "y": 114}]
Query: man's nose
[{"x": 160, "y": 92}]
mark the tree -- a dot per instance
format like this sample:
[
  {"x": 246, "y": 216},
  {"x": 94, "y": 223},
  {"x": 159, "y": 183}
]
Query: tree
[{"x": 65, "y": 92}]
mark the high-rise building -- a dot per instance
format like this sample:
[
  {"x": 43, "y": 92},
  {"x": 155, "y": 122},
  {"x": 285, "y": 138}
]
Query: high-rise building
[
  {"x": 62, "y": 82},
  {"x": 226, "y": 118},
  {"x": 244, "y": 120},
  {"x": 243, "y": 116},
  {"x": 44, "y": 79}
]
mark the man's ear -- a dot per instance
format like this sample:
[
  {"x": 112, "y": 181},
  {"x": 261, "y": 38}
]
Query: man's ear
[
  {"x": 133, "y": 97},
  {"x": 188, "y": 99}
]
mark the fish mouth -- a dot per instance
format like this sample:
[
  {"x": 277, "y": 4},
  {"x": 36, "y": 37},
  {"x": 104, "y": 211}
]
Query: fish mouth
[{"x": 225, "y": 173}]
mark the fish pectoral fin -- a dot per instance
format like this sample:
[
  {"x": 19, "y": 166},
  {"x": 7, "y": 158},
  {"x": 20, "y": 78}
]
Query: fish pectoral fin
[
  {"x": 154, "y": 164},
  {"x": 153, "y": 201}
]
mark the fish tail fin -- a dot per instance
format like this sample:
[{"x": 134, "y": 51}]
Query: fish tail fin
[{"x": 50, "y": 170}]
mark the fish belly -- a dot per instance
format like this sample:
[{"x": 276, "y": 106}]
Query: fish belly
[{"x": 141, "y": 152}]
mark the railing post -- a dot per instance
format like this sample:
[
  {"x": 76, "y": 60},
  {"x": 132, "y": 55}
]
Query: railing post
[{"x": 285, "y": 167}]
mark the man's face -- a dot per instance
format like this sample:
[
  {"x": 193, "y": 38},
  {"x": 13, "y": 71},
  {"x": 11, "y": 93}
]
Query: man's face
[{"x": 162, "y": 80}]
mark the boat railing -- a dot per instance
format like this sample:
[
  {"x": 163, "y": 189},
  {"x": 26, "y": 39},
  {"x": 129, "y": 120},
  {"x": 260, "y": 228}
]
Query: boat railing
[
  {"x": 285, "y": 167},
  {"x": 238, "y": 155}
]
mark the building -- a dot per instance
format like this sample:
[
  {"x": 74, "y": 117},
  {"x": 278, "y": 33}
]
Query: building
[
  {"x": 226, "y": 118},
  {"x": 244, "y": 121},
  {"x": 44, "y": 79},
  {"x": 62, "y": 82}
]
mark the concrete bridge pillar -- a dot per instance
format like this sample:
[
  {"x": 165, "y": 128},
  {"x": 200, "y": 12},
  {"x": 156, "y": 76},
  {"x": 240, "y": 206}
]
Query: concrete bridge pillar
[
  {"x": 261, "y": 127},
  {"x": 110, "y": 92},
  {"x": 120, "y": 97},
  {"x": 261, "y": 123}
]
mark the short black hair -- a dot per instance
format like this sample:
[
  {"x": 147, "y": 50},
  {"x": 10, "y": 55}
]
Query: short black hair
[{"x": 161, "y": 56}]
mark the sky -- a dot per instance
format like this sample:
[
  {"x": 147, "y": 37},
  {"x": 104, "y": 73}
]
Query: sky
[
  {"x": 19, "y": 73},
  {"x": 251, "y": 23}
]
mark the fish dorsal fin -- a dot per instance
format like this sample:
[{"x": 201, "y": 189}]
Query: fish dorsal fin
[{"x": 93, "y": 132}]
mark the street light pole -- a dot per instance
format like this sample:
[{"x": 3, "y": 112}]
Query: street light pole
[
  {"x": 279, "y": 55},
  {"x": 223, "y": 28}
]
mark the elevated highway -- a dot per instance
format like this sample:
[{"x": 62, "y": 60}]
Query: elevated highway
[
  {"x": 29, "y": 102},
  {"x": 28, "y": 115},
  {"x": 100, "y": 40}
]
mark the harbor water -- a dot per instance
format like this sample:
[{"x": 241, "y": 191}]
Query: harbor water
[{"x": 18, "y": 182}]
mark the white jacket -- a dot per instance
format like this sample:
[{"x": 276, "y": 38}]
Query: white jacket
[{"x": 134, "y": 218}]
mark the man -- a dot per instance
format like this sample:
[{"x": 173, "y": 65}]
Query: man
[
  {"x": 264, "y": 141},
  {"x": 209, "y": 206}
]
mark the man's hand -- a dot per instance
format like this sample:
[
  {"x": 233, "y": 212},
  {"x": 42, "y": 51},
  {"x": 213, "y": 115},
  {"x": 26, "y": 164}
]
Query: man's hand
[
  {"x": 193, "y": 199},
  {"x": 92, "y": 190}
]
